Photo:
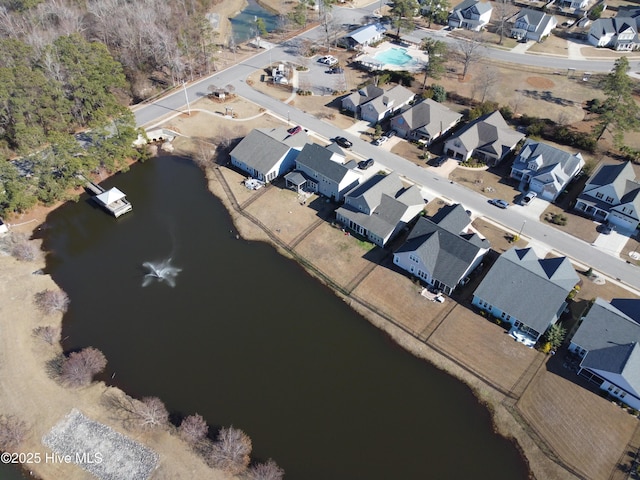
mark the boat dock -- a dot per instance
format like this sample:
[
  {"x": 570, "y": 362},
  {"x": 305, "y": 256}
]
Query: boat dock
[{"x": 112, "y": 200}]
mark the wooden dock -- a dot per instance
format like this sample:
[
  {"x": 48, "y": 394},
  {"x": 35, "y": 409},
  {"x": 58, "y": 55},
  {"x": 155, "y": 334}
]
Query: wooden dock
[{"x": 113, "y": 200}]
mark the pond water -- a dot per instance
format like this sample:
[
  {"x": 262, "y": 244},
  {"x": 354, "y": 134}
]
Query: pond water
[
  {"x": 11, "y": 472},
  {"x": 243, "y": 25},
  {"x": 247, "y": 338}
]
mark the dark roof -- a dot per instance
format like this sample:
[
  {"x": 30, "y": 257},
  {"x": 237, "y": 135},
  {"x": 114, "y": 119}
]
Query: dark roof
[
  {"x": 529, "y": 289},
  {"x": 623, "y": 361},
  {"x": 318, "y": 159},
  {"x": 443, "y": 245},
  {"x": 430, "y": 115},
  {"x": 489, "y": 133},
  {"x": 259, "y": 150}
]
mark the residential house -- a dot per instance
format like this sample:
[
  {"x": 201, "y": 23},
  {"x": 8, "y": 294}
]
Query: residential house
[
  {"x": 267, "y": 153},
  {"x": 612, "y": 194},
  {"x": 607, "y": 341},
  {"x": 386, "y": 104},
  {"x": 619, "y": 33},
  {"x": 442, "y": 250},
  {"x": 528, "y": 292},
  {"x": 544, "y": 169},
  {"x": 380, "y": 208},
  {"x": 533, "y": 25},
  {"x": 364, "y": 36},
  {"x": 426, "y": 121},
  {"x": 574, "y": 4},
  {"x": 325, "y": 172},
  {"x": 488, "y": 137},
  {"x": 353, "y": 101},
  {"x": 470, "y": 14}
]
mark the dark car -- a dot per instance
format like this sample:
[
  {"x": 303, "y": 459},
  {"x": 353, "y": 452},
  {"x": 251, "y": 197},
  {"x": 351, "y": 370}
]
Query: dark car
[
  {"x": 390, "y": 133},
  {"x": 364, "y": 164},
  {"x": 499, "y": 203},
  {"x": 441, "y": 161},
  {"x": 294, "y": 130},
  {"x": 336, "y": 70},
  {"x": 343, "y": 142},
  {"x": 605, "y": 229}
]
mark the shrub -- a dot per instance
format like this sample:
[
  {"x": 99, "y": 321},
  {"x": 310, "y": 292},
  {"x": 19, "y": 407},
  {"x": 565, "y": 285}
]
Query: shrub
[
  {"x": 193, "y": 429},
  {"x": 51, "y": 301},
  {"x": 12, "y": 432},
  {"x": 546, "y": 347},
  {"x": 266, "y": 471},
  {"x": 439, "y": 93},
  {"x": 231, "y": 451},
  {"x": 79, "y": 368}
]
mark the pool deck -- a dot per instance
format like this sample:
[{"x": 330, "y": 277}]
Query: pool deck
[{"x": 367, "y": 58}]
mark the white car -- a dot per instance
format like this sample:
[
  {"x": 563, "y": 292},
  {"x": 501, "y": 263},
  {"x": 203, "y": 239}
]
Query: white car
[
  {"x": 380, "y": 140},
  {"x": 328, "y": 60},
  {"x": 528, "y": 197}
]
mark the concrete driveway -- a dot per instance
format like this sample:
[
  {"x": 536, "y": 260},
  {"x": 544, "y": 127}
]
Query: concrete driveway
[
  {"x": 534, "y": 210},
  {"x": 613, "y": 243}
]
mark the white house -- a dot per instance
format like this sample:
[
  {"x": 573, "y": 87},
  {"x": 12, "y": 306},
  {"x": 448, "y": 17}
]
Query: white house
[
  {"x": 325, "y": 172},
  {"x": 426, "y": 121},
  {"x": 442, "y": 251},
  {"x": 470, "y": 14},
  {"x": 619, "y": 33},
  {"x": 364, "y": 36},
  {"x": 533, "y": 25},
  {"x": 607, "y": 341},
  {"x": 544, "y": 169},
  {"x": 355, "y": 100},
  {"x": 488, "y": 138},
  {"x": 574, "y": 4},
  {"x": 267, "y": 153},
  {"x": 528, "y": 292},
  {"x": 386, "y": 104},
  {"x": 612, "y": 194},
  {"x": 380, "y": 208}
]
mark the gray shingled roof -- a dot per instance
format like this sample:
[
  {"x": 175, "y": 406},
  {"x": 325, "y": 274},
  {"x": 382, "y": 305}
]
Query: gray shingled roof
[
  {"x": 364, "y": 94},
  {"x": 489, "y": 133},
  {"x": 318, "y": 158},
  {"x": 623, "y": 179},
  {"x": 528, "y": 288},
  {"x": 623, "y": 361},
  {"x": 442, "y": 244},
  {"x": 392, "y": 98},
  {"x": 366, "y": 33},
  {"x": 259, "y": 150},
  {"x": 430, "y": 116},
  {"x": 553, "y": 165},
  {"x": 465, "y": 9}
]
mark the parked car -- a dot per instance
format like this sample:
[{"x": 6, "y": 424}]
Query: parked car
[
  {"x": 380, "y": 140},
  {"x": 499, "y": 203},
  {"x": 343, "y": 142},
  {"x": 294, "y": 130},
  {"x": 364, "y": 164},
  {"x": 605, "y": 229},
  {"x": 328, "y": 60},
  {"x": 526, "y": 200},
  {"x": 440, "y": 161},
  {"x": 336, "y": 70},
  {"x": 390, "y": 133}
]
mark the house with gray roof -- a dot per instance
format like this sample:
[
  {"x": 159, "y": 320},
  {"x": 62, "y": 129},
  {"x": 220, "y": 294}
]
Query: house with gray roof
[
  {"x": 619, "y": 33},
  {"x": 426, "y": 121},
  {"x": 364, "y": 36},
  {"x": 544, "y": 169},
  {"x": 442, "y": 250},
  {"x": 267, "y": 153},
  {"x": 380, "y": 208},
  {"x": 325, "y": 172},
  {"x": 528, "y": 292},
  {"x": 353, "y": 101},
  {"x": 533, "y": 25},
  {"x": 607, "y": 341},
  {"x": 386, "y": 104},
  {"x": 488, "y": 138},
  {"x": 612, "y": 194},
  {"x": 470, "y": 14}
]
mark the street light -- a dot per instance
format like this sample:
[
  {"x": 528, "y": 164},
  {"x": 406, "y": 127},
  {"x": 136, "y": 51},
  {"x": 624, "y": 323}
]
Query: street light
[
  {"x": 522, "y": 228},
  {"x": 184, "y": 87},
  {"x": 288, "y": 120}
]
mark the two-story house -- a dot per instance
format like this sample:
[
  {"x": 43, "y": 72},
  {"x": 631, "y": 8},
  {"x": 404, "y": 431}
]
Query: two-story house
[
  {"x": 544, "y": 169},
  {"x": 325, "y": 172},
  {"x": 470, "y": 14},
  {"x": 380, "y": 208},
  {"x": 355, "y": 100},
  {"x": 528, "y": 292},
  {"x": 267, "y": 153},
  {"x": 612, "y": 194},
  {"x": 426, "y": 121},
  {"x": 442, "y": 250},
  {"x": 373, "y": 104},
  {"x": 607, "y": 340},
  {"x": 619, "y": 33},
  {"x": 533, "y": 25},
  {"x": 488, "y": 138}
]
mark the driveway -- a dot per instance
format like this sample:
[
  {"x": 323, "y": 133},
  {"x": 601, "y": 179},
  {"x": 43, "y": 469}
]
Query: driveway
[
  {"x": 534, "y": 210},
  {"x": 612, "y": 243}
]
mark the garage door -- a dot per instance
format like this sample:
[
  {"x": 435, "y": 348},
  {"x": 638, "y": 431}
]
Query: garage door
[{"x": 622, "y": 223}]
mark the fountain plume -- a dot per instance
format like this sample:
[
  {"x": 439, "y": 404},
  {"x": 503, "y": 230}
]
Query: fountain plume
[{"x": 161, "y": 272}]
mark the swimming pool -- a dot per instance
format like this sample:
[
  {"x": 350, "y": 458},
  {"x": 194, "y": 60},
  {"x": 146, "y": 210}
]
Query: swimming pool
[{"x": 395, "y": 56}]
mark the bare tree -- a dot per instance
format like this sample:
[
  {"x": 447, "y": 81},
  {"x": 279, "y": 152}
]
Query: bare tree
[
  {"x": 52, "y": 301},
  {"x": 203, "y": 154},
  {"x": 19, "y": 247},
  {"x": 152, "y": 413},
  {"x": 469, "y": 52},
  {"x": 516, "y": 101},
  {"x": 193, "y": 429},
  {"x": 487, "y": 82},
  {"x": 266, "y": 471},
  {"x": 224, "y": 138},
  {"x": 79, "y": 368},
  {"x": 146, "y": 414},
  {"x": 504, "y": 9},
  {"x": 13, "y": 431},
  {"x": 49, "y": 334},
  {"x": 231, "y": 451}
]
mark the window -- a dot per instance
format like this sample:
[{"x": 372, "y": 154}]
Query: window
[
  {"x": 623, "y": 394},
  {"x": 610, "y": 199},
  {"x": 610, "y": 388},
  {"x": 599, "y": 195}
]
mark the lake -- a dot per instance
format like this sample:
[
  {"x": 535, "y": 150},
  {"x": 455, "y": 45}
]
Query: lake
[
  {"x": 243, "y": 25},
  {"x": 247, "y": 338}
]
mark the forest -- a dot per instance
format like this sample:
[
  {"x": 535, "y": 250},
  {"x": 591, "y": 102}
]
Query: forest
[{"x": 69, "y": 69}]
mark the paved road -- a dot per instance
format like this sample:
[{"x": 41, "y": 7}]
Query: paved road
[{"x": 511, "y": 218}]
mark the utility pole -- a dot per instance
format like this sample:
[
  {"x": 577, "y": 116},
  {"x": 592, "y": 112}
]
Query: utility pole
[{"x": 184, "y": 87}]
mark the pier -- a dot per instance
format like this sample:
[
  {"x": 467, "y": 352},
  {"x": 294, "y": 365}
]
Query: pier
[{"x": 113, "y": 200}]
